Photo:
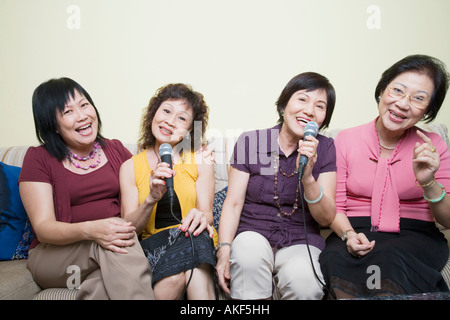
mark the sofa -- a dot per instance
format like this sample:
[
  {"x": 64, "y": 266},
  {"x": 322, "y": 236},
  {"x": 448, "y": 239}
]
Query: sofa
[{"x": 16, "y": 282}]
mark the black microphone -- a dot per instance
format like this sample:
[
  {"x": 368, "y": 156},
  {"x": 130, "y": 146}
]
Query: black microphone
[
  {"x": 165, "y": 152},
  {"x": 311, "y": 129}
]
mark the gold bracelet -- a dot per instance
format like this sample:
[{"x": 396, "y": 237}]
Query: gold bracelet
[{"x": 427, "y": 184}]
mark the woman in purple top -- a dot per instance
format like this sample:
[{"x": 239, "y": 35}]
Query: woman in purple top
[{"x": 264, "y": 237}]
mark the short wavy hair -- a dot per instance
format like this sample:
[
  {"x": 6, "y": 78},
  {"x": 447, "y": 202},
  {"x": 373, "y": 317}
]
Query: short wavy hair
[
  {"x": 175, "y": 91},
  {"x": 423, "y": 64},
  {"x": 308, "y": 81}
]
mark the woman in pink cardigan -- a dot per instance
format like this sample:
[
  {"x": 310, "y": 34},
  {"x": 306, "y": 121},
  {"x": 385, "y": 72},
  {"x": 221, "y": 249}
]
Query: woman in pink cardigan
[{"x": 391, "y": 181}]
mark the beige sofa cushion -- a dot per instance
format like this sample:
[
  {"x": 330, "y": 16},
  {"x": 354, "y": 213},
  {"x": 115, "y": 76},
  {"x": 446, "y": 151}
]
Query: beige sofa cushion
[{"x": 16, "y": 281}]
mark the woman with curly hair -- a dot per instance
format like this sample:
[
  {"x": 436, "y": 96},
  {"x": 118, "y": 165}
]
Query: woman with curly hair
[{"x": 177, "y": 239}]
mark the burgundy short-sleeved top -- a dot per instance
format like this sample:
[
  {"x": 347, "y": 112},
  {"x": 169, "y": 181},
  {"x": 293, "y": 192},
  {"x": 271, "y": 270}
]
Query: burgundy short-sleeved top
[
  {"x": 254, "y": 153},
  {"x": 78, "y": 198}
]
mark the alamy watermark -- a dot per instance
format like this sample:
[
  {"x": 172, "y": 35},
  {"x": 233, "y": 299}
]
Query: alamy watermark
[
  {"x": 74, "y": 280},
  {"x": 374, "y": 280},
  {"x": 373, "y": 22},
  {"x": 73, "y": 21},
  {"x": 252, "y": 147}
]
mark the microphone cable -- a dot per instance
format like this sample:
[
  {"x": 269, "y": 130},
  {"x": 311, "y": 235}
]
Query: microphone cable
[
  {"x": 307, "y": 245},
  {"x": 165, "y": 152},
  {"x": 192, "y": 245}
]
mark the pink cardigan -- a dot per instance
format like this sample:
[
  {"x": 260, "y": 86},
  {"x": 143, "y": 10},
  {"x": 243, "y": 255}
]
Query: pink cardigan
[{"x": 383, "y": 189}]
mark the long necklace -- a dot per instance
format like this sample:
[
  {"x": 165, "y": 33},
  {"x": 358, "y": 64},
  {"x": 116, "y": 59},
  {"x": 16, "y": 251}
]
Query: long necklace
[
  {"x": 277, "y": 168},
  {"x": 97, "y": 150}
]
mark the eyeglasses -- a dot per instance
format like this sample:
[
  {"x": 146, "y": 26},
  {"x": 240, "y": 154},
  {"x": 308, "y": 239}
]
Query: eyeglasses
[{"x": 418, "y": 101}]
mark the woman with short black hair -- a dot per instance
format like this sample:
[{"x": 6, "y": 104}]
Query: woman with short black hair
[
  {"x": 70, "y": 189},
  {"x": 269, "y": 231}
]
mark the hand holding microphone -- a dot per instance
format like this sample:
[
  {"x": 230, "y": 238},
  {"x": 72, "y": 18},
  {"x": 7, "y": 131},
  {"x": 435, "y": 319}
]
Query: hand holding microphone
[
  {"x": 165, "y": 152},
  {"x": 311, "y": 129},
  {"x": 195, "y": 222},
  {"x": 161, "y": 174}
]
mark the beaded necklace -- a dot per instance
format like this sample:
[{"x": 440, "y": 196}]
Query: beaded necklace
[
  {"x": 97, "y": 150},
  {"x": 387, "y": 148},
  {"x": 277, "y": 168}
]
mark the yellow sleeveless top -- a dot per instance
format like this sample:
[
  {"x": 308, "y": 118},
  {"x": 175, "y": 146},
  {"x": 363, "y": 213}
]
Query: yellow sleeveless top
[{"x": 184, "y": 184}]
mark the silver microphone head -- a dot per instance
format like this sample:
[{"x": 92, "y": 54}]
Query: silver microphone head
[
  {"x": 311, "y": 129},
  {"x": 164, "y": 149}
]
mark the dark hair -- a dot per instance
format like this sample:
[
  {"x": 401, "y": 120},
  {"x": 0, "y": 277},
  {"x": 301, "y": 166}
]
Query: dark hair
[
  {"x": 430, "y": 66},
  {"x": 175, "y": 91},
  {"x": 309, "y": 81},
  {"x": 49, "y": 98}
]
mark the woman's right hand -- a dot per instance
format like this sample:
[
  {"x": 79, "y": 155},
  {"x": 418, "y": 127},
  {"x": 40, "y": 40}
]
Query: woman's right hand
[
  {"x": 157, "y": 180},
  {"x": 114, "y": 234},
  {"x": 223, "y": 268},
  {"x": 358, "y": 245}
]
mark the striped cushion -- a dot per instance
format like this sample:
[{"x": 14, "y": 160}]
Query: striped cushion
[
  {"x": 446, "y": 272},
  {"x": 57, "y": 294}
]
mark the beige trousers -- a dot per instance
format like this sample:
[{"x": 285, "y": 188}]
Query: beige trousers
[
  {"x": 255, "y": 269},
  {"x": 102, "y": 274}
]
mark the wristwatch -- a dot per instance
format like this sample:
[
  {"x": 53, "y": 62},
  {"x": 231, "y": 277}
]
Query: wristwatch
[{"x": 344, "y": 234}]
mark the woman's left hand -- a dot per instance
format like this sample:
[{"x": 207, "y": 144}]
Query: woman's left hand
[
  {"x": 426, "y": 160},
  {"x": 195, "y": 222},
  {"x": 112, "y": 233},
  {"x": 207, "y": 153}
]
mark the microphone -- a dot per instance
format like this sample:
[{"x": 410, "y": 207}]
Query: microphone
[
  {"x": 311, "y": 129},
  {"x": 165, "y": 152}
]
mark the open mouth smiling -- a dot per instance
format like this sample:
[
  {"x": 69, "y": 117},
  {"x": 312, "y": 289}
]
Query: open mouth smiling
[
  {"x": 395, "y": 115},
  {"x": 165, "y": 131},
  {"x": 83, "y": 128},
  {"x": 302, "y": 121}
]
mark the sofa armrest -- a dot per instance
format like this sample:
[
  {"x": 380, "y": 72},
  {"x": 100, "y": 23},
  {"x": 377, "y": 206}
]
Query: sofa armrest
[{"x": 13, "y": 155}]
